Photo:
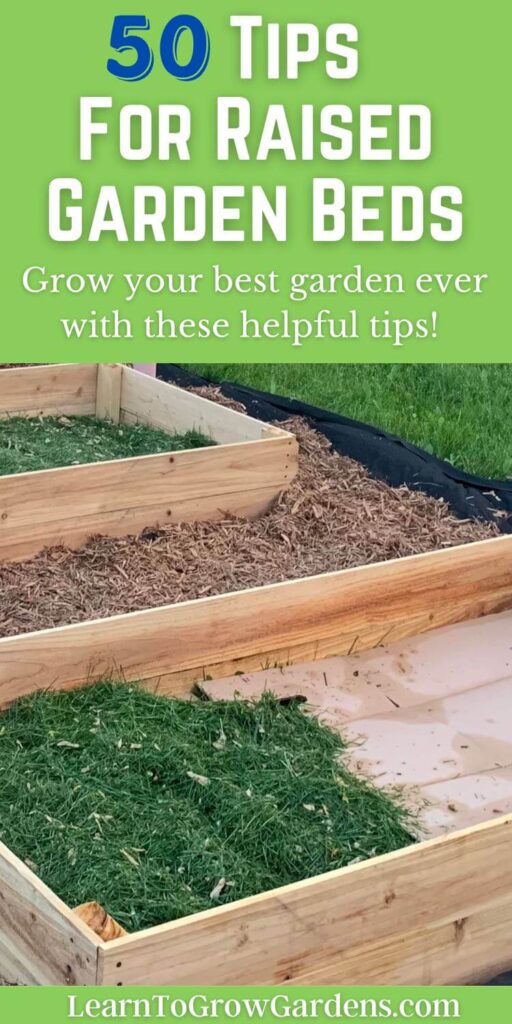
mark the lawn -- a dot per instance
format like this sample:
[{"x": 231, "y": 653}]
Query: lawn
[{"x": 460, "y": 413}]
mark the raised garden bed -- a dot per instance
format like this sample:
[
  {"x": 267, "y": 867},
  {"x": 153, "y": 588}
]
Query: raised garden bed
[
  {"x": 249, "y": 465},
  {"x": 439, "y": 910},
  {"x": 372, "y": 921},
  {"x": 333, "y": 516},
  {"x": 171, "y": 646}
]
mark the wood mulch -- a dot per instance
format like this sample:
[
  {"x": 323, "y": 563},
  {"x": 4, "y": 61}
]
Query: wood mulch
[
  {"x": 214, "y": 394},
  {"x": 334, "y": 516}
]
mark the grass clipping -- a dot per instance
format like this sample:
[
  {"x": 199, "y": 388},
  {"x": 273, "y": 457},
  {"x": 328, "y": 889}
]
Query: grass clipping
[
  {"x": 49, "y": 442},
  {"x": 158, "y": 808}
]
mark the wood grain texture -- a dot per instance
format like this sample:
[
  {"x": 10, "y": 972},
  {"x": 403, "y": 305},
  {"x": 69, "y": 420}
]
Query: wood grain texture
[
  {"x": 162, "y": 405},
  {"x": 108, "y": 392},
  {"x": 464, "y": 950},
  {"x": 170, "y": 646},
  {"x": 308, "y": 929},
  {"x": 68, "y": 389},
  {"x": 125, "y": 521},
  {"x": 67, "y": 505},
  {"x": 41, "y": 942}
]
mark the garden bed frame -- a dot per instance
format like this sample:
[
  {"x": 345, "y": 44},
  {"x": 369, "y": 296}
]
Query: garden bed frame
[
  {"x": 438, "y": 912},
  {"x": 251, "y": 464}
]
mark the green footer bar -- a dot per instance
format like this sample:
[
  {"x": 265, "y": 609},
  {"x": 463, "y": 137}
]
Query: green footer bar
[{"x": 481, "y": 1005}]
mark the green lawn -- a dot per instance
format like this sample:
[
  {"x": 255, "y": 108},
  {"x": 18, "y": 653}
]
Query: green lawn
[{"x": 461, "y": 413}]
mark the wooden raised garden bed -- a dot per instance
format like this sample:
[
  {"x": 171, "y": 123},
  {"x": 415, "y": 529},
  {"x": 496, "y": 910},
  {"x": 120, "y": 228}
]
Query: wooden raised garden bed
[
  {"x": 241, "y": 475},
  {"x": 446, "y": 902}
]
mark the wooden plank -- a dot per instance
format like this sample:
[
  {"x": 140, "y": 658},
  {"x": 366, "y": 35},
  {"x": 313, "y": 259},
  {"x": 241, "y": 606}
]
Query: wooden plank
[
  {"x": 369, "y": 636},
  {"x": 41, "y": 942},
  {"x": 150, "y": 401},
  {"x": 108, "y": 392},
  {"x": 292, "y": 932},
  {"x": 181, "y": 476},
  {"x": 458, "y": 952},
  {"x": 170, "y": 645},
  {"x": 68, "y": 389},
  {"x": 67, "y": 505},
  {"x": 125, "y": 521}
]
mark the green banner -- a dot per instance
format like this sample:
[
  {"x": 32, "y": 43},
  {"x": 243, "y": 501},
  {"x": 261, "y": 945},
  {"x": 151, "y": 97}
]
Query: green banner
[
  {"x": 289, "y": 183},
  {"x": 58, "y": 1005}
]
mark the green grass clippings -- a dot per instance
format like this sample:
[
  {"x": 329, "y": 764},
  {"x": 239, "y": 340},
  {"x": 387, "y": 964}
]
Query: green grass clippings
[
  {"x": 50, "y": 442},
  {"x": 158, "y": 808}
]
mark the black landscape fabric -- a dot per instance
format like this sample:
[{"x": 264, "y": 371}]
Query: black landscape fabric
[{"x": 386, "y": 456}]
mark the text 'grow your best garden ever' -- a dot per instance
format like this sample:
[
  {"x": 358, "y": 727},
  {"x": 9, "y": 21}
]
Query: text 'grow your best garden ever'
[{"x": 340, "y": 320}]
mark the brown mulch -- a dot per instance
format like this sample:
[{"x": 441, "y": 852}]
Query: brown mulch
[
  {"x": 214, "y": 394},
  {"x": 334, "y": 516}
]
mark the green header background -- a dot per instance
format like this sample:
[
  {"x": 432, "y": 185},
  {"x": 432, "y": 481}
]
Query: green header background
[{"x": 451, "y": 56}]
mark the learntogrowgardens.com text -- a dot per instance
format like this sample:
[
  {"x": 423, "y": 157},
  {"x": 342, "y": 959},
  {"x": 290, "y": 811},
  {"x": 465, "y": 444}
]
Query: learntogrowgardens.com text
[{"x": 279, "y": 1006}]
